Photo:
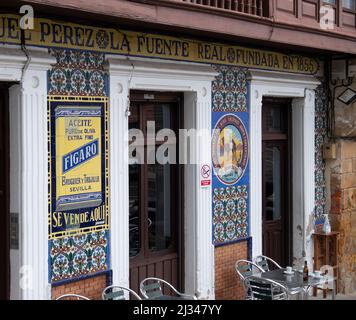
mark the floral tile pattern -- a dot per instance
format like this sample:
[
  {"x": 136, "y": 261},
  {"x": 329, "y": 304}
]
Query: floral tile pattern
[
  {"x": 77, "y": 73},
  {"x": 230, "y": 203},
  {"x": 230, "y": 214},
  {"x": 321, "y": 101},
  {"x": 78, "y": 256},
  {"x": 229, "y": 90}
]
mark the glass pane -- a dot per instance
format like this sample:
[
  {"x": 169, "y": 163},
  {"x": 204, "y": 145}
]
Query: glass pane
[
  {"x": 274, "y": 116},
  {"x": 161, "y": 114},
  {"x": 159, "y": 207},
  {"x": 134, "y": 209},
  {"x": 134, "y": 117},
  {"x": 273, "y": 183},
  {"x": 349, "y": 4}
]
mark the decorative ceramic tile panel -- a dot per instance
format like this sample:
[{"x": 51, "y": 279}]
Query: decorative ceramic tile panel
[
  {"x": 321, "y": 101},
  {"x": 230, "y": 184},
  {"x": 230, "y": 214},
  {"x": 78, "y": 73},
  {"x": 75, "y": 257},
  {"x": 229, "y": 90}
]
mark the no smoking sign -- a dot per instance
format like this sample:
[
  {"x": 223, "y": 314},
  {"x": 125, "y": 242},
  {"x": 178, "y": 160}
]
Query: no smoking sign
[{"x": 205, "y": 176}]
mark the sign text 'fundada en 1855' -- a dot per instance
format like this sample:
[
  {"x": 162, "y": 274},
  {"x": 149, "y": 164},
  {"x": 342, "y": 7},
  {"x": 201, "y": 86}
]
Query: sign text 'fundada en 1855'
[{"x": 79, "y": 166}]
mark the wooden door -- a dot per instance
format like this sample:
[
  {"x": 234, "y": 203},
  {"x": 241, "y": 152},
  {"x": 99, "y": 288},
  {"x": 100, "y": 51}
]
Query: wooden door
[
  {"x": 4, "y": 193},
  {"x": 154, "y": 195},
  {"x": 276, "y": 215}
]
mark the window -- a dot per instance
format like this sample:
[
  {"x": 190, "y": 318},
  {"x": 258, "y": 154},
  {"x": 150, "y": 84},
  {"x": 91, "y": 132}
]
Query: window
[{"x": 349, "y": 4}]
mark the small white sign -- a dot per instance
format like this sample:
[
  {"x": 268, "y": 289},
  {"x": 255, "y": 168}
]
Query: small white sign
[{"x": 205, "y": 176}]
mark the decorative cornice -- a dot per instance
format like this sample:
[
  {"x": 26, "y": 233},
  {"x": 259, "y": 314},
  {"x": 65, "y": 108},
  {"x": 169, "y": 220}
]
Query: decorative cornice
[
  {"x": 13, "y": 56},
  {"x": 284, "y": 78},
  {"x": 146, "y": 67}
]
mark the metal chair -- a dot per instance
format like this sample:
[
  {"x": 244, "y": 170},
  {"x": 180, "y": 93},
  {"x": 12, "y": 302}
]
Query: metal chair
[
  {"x": 71, "y": 296},
  {"x": 117, "y": 293},
  {"x": 265, "y": 289},
  {"x": 245, "y": 269},
  {"x": 264, "y": 262},
  {"x": 151, "y": 288}
]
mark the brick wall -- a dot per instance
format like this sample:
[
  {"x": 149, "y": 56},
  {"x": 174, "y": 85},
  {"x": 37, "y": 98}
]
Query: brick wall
[
  {"x": 343, "y": 211},
  {"x": 91, "y": 287},
  {"x": 227, "y": 283}
]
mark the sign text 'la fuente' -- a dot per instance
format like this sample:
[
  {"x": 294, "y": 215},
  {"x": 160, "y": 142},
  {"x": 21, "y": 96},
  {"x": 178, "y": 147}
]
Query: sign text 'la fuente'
[{"x": 51, "y": 33}]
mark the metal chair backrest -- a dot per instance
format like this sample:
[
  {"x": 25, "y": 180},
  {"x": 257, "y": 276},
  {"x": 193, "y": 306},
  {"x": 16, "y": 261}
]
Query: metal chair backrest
[
  {"x": 117, "y": 293},
  {"x": 72, "y": 296},
  {"x": 265, "y": 289},
  {"x": 151, "y": 288},
  {"x": 246, "y": 268},
  {"x": 264, "y": 263}
]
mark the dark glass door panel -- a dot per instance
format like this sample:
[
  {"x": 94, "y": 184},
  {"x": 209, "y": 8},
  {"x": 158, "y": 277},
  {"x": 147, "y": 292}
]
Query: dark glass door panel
[
  {"x": 273, "y": 182},
  {"x": 274, "y": 119},
  {"x": 134, "y": 207},
  {"x": 153, "y": 195},
  {"x": 161, "y": 114},
  {"x": 276, "y": 198},
  {"x": 160, "y": 233}
]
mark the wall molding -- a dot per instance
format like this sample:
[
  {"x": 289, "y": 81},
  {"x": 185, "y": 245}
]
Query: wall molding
[
  {"x": 301, "y": 89},
  {"x": 195, "y": 81}
]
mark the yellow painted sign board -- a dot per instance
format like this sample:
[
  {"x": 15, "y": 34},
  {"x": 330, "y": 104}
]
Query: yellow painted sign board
[
  {"x": 78, "y": 156},
  {"x": 79, "y": 165},
  {"x": 57, "y": 34}
]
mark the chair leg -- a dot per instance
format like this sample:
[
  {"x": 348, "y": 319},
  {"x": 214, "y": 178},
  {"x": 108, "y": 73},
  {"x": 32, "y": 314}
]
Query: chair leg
[
  {"x": 325, "y": 293},
  {"x": 315, "y": 291}
]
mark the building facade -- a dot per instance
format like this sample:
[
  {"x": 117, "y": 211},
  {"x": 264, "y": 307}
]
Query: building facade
[{"x": 85, "y": 206}]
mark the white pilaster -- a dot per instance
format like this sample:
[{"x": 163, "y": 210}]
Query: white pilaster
[
  {"x": 203, "y": 233},
  {"x": 256, "y": 171},
  {"x": 28, "y": 107},
  {"x": 34, "y": 178},
  {"x": 303, "y": 175},
  {"x": 119, "y": 175},
  {"x": 309, "y": 169}
]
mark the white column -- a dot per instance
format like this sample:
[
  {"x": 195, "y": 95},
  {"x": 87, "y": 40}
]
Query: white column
[
  {"x": 15, "y": 184},
  {"x": 190, "y": 218},
  {"x": 34, "y": 178},
  {"x": 205, "y": 248},
  {"x": 297, "y": 178},
  {"x": 119, "y": 178},
  {"x": 309, "y": 169},
  {"x": 256, "y": 171}
]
